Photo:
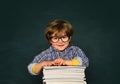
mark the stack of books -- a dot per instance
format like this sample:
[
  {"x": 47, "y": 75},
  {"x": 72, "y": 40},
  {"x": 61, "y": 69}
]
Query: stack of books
[{"x": 64, "y": 75}]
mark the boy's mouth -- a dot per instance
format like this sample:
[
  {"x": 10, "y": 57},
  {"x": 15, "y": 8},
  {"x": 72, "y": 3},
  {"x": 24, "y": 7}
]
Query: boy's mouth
[{"x": 60, "y": 45}]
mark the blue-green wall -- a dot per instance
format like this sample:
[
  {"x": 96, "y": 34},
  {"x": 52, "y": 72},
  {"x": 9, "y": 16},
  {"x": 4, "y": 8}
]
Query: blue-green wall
[{"x": 96, "y": 25}]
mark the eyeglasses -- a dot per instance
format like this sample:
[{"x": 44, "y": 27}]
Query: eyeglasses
[{"x": 64, "y": 38}]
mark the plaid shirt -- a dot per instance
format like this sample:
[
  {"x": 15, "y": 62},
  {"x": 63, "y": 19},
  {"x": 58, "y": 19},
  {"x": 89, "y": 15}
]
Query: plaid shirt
[{"x": 71, "y": 52}]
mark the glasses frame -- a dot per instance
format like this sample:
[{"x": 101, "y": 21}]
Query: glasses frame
[{"x": 58, "y": 38}]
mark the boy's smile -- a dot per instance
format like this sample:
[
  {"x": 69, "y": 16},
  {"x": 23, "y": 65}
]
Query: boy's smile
[{"x": 61, "y": 46}]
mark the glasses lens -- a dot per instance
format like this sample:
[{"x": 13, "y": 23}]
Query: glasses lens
[
  {"x": 54, "y": 39},
  {"x": 63, "y": 38}
]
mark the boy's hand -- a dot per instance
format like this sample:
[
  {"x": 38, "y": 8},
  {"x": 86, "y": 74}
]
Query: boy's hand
[
  {"x": 58, "y": 62},
  {"x": 47, "y": 63},
  {"x": 68, "y": 62}
]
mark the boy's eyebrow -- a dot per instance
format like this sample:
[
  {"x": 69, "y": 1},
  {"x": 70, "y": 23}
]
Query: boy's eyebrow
[{"x": 59, "y": 35}]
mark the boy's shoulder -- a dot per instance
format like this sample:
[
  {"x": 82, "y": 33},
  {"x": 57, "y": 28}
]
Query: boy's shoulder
[
  {"x": 74, "y": 47},
  {"x": 48, "y": 50}
]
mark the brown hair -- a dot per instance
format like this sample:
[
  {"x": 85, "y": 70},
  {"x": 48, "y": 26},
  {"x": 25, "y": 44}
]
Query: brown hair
[{"x": 57, "y": 27}]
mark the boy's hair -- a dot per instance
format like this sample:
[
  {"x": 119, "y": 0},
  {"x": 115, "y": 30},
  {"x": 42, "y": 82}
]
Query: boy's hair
[{"x": 57, "y": 27}]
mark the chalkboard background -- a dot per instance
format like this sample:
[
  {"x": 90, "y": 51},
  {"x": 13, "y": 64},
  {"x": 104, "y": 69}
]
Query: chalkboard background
[{"x": 96, "y": 25}]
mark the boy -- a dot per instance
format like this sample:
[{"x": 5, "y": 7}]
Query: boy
[{"x": 60, "y": 52}]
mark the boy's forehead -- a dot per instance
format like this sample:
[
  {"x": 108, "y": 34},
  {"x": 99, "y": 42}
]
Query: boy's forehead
[{"x": 59, "y": 34}]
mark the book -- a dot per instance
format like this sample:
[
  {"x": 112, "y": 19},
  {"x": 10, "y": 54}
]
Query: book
[
  {"x": 63, "y": 69},
  {"x": 64, "y": 79},
  {"x": 64, "y": 74},
  {"x": 63, "y": 82}
]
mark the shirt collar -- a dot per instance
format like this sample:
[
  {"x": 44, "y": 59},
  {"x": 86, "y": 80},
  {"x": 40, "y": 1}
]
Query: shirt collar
[{"x": 52, "y": 49}]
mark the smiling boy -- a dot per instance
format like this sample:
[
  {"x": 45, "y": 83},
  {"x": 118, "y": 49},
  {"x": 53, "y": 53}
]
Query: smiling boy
[{"x": 60, "y": 52}]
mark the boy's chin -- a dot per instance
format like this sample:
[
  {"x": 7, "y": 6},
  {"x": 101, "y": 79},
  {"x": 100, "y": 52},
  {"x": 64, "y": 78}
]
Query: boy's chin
[{"x": 61, "y": 49}]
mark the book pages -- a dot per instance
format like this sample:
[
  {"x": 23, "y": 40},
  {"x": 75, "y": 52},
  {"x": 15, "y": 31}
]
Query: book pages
[{"x": 64, "y": 75}]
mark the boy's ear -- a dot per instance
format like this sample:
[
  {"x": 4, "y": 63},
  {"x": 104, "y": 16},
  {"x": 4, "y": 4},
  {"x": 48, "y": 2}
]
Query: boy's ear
[
  {"x": 70, "y": 37},
  {"x": 49, "y": 42}
]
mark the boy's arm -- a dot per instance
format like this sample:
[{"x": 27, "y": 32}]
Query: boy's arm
[
  {"x": 74, "y": 62},
  {"x": 35, "y": 68},
  {"x": 30, "y": 68},
  {"x": 80, "y": 56}
]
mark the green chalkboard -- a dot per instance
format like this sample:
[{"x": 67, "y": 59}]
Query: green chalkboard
[{"x": 96, "y": 31}]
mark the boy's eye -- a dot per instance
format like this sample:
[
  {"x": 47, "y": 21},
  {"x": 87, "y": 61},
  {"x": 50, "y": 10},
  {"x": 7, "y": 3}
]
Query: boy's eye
[
  {"x": 64, "y": 36},
  {"x": 55, "y": 37}
]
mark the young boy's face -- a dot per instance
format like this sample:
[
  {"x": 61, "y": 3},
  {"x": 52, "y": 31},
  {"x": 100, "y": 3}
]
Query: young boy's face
[{"x": 60, "y": 42}]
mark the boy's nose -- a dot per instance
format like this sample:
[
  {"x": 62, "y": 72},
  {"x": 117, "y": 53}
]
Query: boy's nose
[{"x": 60, "y": 40}]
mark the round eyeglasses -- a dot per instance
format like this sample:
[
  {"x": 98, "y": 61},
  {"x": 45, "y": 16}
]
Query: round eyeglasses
[{"x": 64, "y": 38}]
